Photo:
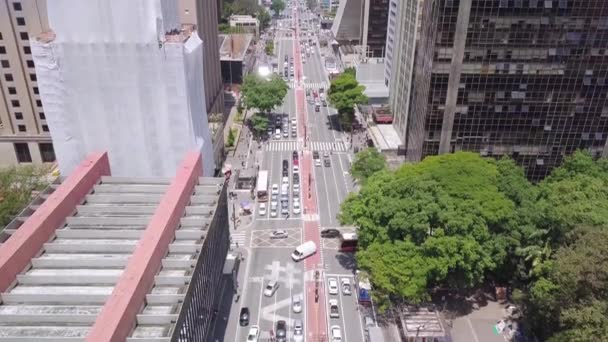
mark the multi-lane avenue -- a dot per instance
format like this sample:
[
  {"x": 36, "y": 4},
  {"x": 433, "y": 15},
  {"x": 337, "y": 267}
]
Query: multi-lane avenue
[{"x": 306, "y": 200}]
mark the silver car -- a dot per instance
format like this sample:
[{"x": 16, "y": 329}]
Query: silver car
[
  {"x": 296, "y": 303},
  {"x": 298, "y": 331}
]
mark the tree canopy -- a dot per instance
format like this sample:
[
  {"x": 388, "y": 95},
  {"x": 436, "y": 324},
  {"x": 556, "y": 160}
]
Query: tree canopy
[
  {"x": 277, "y": 6},
  {"x": 263, "y": 94},
  {"x": 259, "y": 124},
  {"x": 344, "y": 93},
  {"x": 366, "y": 163},
  {"x": 16, "y": 186},
  {"x": 457, "y": 221}
]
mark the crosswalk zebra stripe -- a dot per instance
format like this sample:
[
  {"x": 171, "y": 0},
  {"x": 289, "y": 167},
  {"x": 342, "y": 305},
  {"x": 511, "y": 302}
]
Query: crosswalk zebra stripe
[
  {"x": 237, "y": 240},
  {"x": 315, "y": 145}
]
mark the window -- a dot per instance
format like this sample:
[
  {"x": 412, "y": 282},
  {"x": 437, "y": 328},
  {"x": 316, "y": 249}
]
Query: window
[
  {"x": 45, "y": 128},
  {"x": 24, "y": 36},
  {"x": 15, "y": 103},
  {"x": 12, "y": 91},
  {"x": 27, "y": 50},
  {"x": 20, "y": 21},
  {"x": 30, "y": 64},
  {"x": 47, "y": 153},
  {"x": 38, "y": 103},
  {"x": 8, "y": 77},
  {"x": 22, "y": 150},
  {"x": 33, "y": 77},
  {"x": 2, "y": 50},
  {"x": 18, "y": 115},
  {"x": 36, "y": 91},
  {"x": 5, "y": 63},
  {"x": 42, "y": 116},
  {"x": 22, "y": 128},
  {"x": 16, "y": 6}
]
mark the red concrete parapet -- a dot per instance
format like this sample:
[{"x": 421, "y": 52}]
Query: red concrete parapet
[
  {"x": 117, "y": 318},
  {"x": 22, "y": 246}
]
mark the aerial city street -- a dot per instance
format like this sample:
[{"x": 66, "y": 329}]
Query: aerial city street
[{"x": 304, "y": 164}]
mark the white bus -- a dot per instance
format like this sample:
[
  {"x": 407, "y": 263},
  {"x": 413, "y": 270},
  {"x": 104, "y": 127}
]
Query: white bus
[{"x": 262, "y": 187}]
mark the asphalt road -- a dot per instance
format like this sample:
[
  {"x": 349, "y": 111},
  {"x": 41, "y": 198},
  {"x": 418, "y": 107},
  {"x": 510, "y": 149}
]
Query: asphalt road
[{"x": 267, "y": 259}]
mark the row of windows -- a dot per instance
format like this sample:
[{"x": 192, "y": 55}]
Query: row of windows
[
  {"x": 19, "y": 116},
  {"x": 22, "y": 151},
  {"x": 26, "y": 49},
  {"x": 10, "y": 78},
  {"x": 17, "y": 104},
  {"x": 13, "y": 90},
  {"x": 23, "y": 128}
]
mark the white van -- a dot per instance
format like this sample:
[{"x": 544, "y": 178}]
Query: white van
[{"x": 304, "y": 250}]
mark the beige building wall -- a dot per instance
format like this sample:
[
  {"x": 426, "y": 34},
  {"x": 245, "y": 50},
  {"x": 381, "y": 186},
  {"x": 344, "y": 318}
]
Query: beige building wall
[
  {"x": 24, "y": 133},
  {"x": 187, "y": 11}
]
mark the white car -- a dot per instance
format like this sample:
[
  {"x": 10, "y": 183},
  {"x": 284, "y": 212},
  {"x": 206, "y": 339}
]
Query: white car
[
  {"x": 336, "y": 334},
  {"x": 285, "y": 134},
  {"x": 296, "y": 303},
  {"x": 293, "y": 122},
  {"x": 333, "y": 286},
  {"x": 274, "y": 205},
  {"x": 334, "y": 312},
  {"x": 285, "y": 181},
  {"x": 296, "y": 189},
  {"x": 345, "y": 286},
  {"x": 298, "y": 331},
  {"x": 296, "y": 206},
  {"x": 296, "y": 169},
  {"x": 262, "y": 209},
  {"x": 275, "y": 189},
  {"x": 271, "y": 288},
  {"x": 277, "y": 133},
  {"x": 254, "y": 333},
  {"x": 279, "y": 234}
]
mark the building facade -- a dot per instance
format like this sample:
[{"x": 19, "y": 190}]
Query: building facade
[
  {"x": 24, "y": 132},
  {"x": 399, "y": 61},
  {"x": 526, "y": 79},
  {"x": 364, "y": 23},
  {"x": 131, "y": 85}
]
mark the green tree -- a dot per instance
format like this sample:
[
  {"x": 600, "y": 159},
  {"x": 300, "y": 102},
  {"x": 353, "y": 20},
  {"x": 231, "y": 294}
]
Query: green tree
[
  {"x": 344, "y": 93},
  {"x": 263, "y": 94},
  {"x": 366, "y": 163},
  {"x": 259, "y": 124},
  {"x": 396, "y": 269},
  {"x": 16, "y": 187},
  {"x": 231, "y": 137},
  {"x": 351, "y": 70},
  {"x": 277, "y": 6},
  {"x": 269, "y": 47},
  {"x": 264, "y": 18}
]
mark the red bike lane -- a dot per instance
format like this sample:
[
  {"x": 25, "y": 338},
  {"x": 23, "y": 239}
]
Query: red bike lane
[{"x": 316, "y": 319}]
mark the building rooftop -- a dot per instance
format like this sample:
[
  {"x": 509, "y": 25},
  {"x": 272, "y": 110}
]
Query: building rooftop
[
  {"x": 66, "y": 284},
  {"x": 234, "y": 46}
]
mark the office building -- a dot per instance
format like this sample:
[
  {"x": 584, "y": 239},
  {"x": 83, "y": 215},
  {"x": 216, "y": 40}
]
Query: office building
[
  {"x": 131, "y": 85},
  {"x": 363, "y": 23},
  {"x": 24, "y": 132},
  {"x": 401, "y": 39},
  {"x": 526, "y": 79},
  {"x": 106, "y": 258},
  {"x": 245, "y": 24}
]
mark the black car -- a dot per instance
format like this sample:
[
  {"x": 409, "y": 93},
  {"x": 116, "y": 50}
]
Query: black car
[
  {"x": 295, "y": 155},
  {"x": 315, "y": 154},
  {"x": 330, "y": 233},
  {"x": 281, "y": 331},
  {"x": 286, "y": 58},
  {"x": 244, "y": 317},
  {"x": 285, "y": 165}
]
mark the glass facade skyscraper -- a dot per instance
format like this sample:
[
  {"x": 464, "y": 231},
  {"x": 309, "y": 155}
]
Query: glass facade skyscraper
[{"x": 523, "y": 78}]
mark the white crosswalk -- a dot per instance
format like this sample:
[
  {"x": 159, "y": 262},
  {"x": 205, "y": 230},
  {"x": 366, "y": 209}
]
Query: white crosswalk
[
  {"x": 238, "y": 240},
  {"x": 315, "y": 146},
  {"x": 311, "y": 85}
]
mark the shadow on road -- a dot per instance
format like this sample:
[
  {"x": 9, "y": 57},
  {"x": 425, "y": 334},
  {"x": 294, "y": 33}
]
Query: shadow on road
[
  {"x": 347, "y": 260},
  {"x": 221, "y": 316}
]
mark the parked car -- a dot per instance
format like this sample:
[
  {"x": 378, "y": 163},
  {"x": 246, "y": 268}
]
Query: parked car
[
  {"x": 279, "y": 234},
  {"x": 271, "y": 288},
  {"x": 333, "y": 286},
  {"x": 254, "y": 334},
  {"x": 262, "y": 209},
  {"x": 244, "y": 316},
  {"x": 330, "y": 233},
  {"x": 345, "y": 286}
]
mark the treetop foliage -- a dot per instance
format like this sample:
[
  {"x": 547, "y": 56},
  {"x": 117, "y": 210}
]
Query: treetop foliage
[
  {"x": 263, "y": 94},
  {"x": 457, "y": 220}
]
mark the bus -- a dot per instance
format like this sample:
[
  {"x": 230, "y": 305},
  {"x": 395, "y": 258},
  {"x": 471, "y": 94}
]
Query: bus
[
  {"x": 262, "y": 186},
  {"x": 348, "y": 242}
]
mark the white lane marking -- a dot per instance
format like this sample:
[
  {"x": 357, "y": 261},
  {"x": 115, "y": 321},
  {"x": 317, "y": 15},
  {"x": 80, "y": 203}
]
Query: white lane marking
[
  {"x": 342, "y": 309},
  {"x": 326, "y": 195},
  {"x": 472, "y": 330}
]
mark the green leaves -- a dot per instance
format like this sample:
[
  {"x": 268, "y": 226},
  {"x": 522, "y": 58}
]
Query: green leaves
[
  {"x": 259, "y": 123},
  {"x": 366, "y": 163},
  {"x": 263, "y": 94},
  {"x": 16, "y": 186},
  {"x": 277, "y": 6},
  {"x": 345, "y": 92}
]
